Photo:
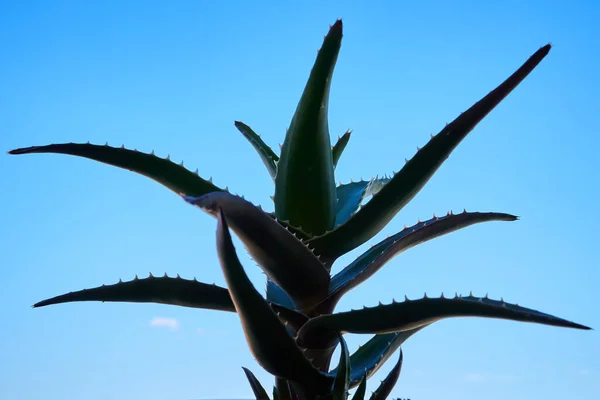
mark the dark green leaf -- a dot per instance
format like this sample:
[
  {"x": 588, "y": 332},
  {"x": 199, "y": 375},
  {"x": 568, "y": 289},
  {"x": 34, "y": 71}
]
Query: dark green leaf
[
  {"x": 373, "y": 354},
  {"x": 173, "y": 176},
  {"x": 267, "y": 155},
  {"x": 162, "y": 290},
  {"x": 284, "y": 258},
  {"x": 412, "y": 314},
  {"x": 257, "y": 388},
  {"x": 339, "y": 147},
  {"x": 377, "y": 256},
  {"x": 362, "y": 389},
  {"x": 384, "y": 390},
  {"x": 305, "y": 186},
  {"x": 342, "y": 375},
  {"x": 172, "y": 291},
  {"x": 374, "y": 215},
  {"x": 267, "y": 337}
]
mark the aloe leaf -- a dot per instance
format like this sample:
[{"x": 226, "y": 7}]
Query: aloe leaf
[
  {"x": 276, "y": 294},
  {"x": 374, "y": 353},
  {"x": 339, "y": 147},
  {"x": 162, "y": 170},
  {"x": 275, "y": 393},
  {"x": 377, "y": 256},
  {"x": 161, "y": 290},
  {"x": 266, "y": 336},
  {"x": 284, "y": 258},
  {"x": 341, "y": 383},
  {"x": 412, "y": 314},
  {"x": 384, "y": 390},
  {"x": 351, "y": 195},
  {"x": 362, "y": 389},
  {"x": 257, "y": 388},
  {"x": 405, "y": 184},
  {"x": 304, "y": 185},
  {"x": 268, "y": 157},
  {"x": 171, "y": 291},
  {"x": 284, "y": 389}
]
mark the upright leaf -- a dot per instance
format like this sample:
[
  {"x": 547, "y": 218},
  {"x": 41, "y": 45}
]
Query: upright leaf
[
  {"x": 162, "y": 170},
  {"x": 362, "y": 389},
  {"x": 305, "y": 186},
  {"x": 384, "y": 390},
  {"x": 257, "y": 388},
  {"x": 268, "y": 157},
  {"x": 267, "y": 337},
  {"x": 339, "y": 147},
  {"x": 404, "y": 186},
  {"x": 284, "y": 258},
  {"x": 342, "y": 376}
]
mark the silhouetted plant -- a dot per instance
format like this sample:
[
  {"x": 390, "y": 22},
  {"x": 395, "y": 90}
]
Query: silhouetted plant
[{"x": 294, "y": 331}]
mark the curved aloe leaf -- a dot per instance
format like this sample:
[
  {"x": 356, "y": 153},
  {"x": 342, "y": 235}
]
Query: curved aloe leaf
[
  {"x": 305, "y": 185},
  {"x": 338, "y": 148},
  {"x": 162, "y": 290},
  {"x": 362, "y": 389},
  {"x": 384, "y": 390},
  {"x": 284, "y": 258},
  {"x": 412, "y": 314},
  {"x": 257, "y": 388},
  {"x": 373, "y": 354},
  {"x": 351, "y": 195},
  {"x": 268, "y": 157},
  {"x": 405, "y": 184},
  {"x": 267, "y": 337},
  {"x": 341, "y": 383},
  {"x": 162, "y": 170},
  {"x": 377, "y": 256},
  {"x": 171, "y": 291}
]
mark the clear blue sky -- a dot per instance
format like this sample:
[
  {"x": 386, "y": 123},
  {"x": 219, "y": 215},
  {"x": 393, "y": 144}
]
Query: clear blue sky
[{"x": 174, "y": 77}]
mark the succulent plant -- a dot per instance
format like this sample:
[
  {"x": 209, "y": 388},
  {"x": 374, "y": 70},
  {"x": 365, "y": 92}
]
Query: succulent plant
[{"x": 293, "y": 330}]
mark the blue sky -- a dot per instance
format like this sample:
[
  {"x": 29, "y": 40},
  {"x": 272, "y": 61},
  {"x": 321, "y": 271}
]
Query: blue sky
[{"x": 173, "y": 78}]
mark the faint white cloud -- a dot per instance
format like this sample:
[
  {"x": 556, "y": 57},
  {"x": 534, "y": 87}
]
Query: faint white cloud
[
  {"x": 584, "y": 372},
  {"x": 484, "y": 377},
  {"x": 201, "y": 331},
  {"x": 171, "y": 323}
]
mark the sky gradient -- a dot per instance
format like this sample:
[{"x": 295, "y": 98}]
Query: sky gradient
[{"x": 173, "y": 77}]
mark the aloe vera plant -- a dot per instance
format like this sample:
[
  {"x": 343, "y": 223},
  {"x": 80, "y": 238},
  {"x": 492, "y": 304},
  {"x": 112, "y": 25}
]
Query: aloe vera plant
[{"x": 293, "y": 330}]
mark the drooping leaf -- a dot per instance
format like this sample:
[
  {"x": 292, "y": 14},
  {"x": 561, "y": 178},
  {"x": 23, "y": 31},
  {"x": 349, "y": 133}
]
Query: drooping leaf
[
  {"x": 373, "y": 354},
  {"x": 362, "y": 389},
  {"x": 257, "y": 388},
  {"x": 266, "y": 336},
  {"x": 284, "y": 258},
  {"x": 339, "y": 147},
  {"x": 162, "y": 170},
  {"x": 384, "y": 390},
  {"x": 342, "y": 374},
  {"x": 402, "y": 188},
  {"x": 161, "y": 290},
  {"x": 267, "y": 155},
  {"x": 377, "y": 256},
  {"x": 412, "y": 314},
  {"x": 304, "y": 185},
  {"x": 351, "y": 195}
]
